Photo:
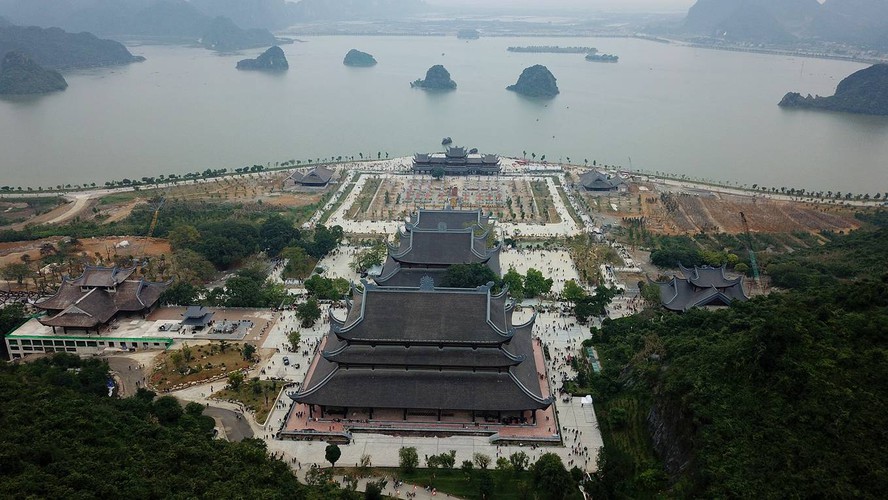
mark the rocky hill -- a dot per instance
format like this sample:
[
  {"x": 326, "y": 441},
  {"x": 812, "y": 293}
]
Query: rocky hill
[
  {"x": 437, "y": 78},
  {"x": 357, "y": 58},
  {"x": 272, "y": 59},
  {"x": 55, "y": 48},
  {"x": 225, "y": 36},
  {"x": 864, "y": 92},
  {"x": 20, "y": 75},
  {"x": 536, "y": 81}
]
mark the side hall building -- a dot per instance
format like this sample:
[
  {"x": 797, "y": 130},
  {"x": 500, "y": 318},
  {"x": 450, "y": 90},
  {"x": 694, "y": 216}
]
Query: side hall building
[
  {"x": 456, "y": 161},
  {"x": 700, "y": 287},
  {"x": 426, "y": 353},
  {"x": 96, "y": 297},
  {"x": 434, "y": 240}
]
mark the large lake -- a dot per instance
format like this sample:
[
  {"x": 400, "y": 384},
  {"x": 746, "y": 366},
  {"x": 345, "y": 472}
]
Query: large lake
[{"x": 703, "y": 113}]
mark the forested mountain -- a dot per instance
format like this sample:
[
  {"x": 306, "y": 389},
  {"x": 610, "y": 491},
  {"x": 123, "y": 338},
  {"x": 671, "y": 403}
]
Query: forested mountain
[
  {"x": 864, "y": 92},
  {"x": 55, "y": 48},
  {"x": 190, "y": 18},
  {"x": 63, "y": 437},
  {"x": 782, "y": 396},
  {"x": 19, "y": 75},
  {"x": 863, "y": 22}
]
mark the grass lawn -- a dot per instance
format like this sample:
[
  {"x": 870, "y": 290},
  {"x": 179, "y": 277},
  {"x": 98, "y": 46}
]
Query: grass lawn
[
  {"x": 257, "y": 395},
  {"x": 207, "y": 361}
]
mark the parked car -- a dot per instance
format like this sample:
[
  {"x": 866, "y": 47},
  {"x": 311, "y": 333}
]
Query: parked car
[{"x": 286, "y": 361}]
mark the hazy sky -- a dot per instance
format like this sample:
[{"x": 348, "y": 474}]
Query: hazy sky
[{"x": 606, "y": 5}]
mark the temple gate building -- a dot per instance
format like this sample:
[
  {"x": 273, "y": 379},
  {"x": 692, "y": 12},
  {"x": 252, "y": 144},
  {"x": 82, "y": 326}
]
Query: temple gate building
[{"x": 456, "y": 161}]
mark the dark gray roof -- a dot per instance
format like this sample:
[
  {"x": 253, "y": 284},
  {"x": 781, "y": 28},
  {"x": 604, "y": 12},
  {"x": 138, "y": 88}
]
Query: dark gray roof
[
  {"x": 74, "y": 308},
  {"x": 422, "y": 389},
  {"x": 441, "y": 247},
  {"x": 703, "y": 287},
  {"x": 423, "y": 356},
  {"x": 314, "y": 177},
  {"x": 452, "y": 219},
  {"x": 432, "y": 317},
  {"x": 197, "y": 316},
  {"x": 102, "y": 276},
  {"x": 597, "y": 181}
]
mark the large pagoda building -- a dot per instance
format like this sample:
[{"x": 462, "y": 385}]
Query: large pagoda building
[
  {"x": 434, "y": 240},
  {"x": 100, "y": 294},
  {"x": 431, "y": 353},
  {"x": 456, "y": 161}
]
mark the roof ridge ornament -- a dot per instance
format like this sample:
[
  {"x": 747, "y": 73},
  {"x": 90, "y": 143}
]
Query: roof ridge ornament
[{"x": 427, "y": 284}]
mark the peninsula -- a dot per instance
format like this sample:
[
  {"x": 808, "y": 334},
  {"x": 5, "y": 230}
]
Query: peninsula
[
  {"x": 536, "y": 81},
  {"x": 608, "y": 58},
  {"x": 57, "y": 49},
  {"x": 359, "y": 59},
  {"x": 272, "y": 59},
  {"x": 19, "y": 75},
  {"x": 437, "y": 78},
  {"x": 864, "y": 92},
  {"x": 553, "y": 49}
]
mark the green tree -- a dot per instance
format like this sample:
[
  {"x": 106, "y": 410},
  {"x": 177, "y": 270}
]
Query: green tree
[
  {"x": 11, "y": 317},
  {"x": 17, "y": 271},
  {"x": 550, "y": 477},
  {"x": 485, "y": 484},
  {"x": 235, "y": 379},
  {"x": 294, "y": 337},
  {"x": 191, "y": 267},
  {"x": 299, "y": 263},
  {"x": 332, "y": 454},
  {"x": 438, "y": 173},
  {"x": 181, "y": 293},
  {"x": 468, "y": 276},
  {"x": 248, "y": 352},
  {"x": 535, "y": 284},
  {"x": 183, "y": 237},
  {"x": 242, "y": 291},
  {"x": 573, "y": 292},
  {"x": 276, "y": 233},
  {"x": 309, "y": 312},
  {"x": 519, "y": 460},
  {"x": 515, "y": 282},
  {"x": 408, "y": 459},
  {"x": 373, "y": 256},
  {"x": 481, "y": 460}
]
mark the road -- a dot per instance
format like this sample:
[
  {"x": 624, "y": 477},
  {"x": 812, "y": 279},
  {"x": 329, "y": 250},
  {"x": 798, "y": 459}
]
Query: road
[
  {"x": 129, "y": 373},
  {"x": 235, "y": 424}
]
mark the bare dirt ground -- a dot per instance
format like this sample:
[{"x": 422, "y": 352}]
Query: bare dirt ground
[
  {"x": 107, "y": 247},
  {"x": 675, "y": 211}
]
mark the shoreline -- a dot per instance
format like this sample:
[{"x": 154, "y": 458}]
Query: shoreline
[{"x": 541, "y": 168}]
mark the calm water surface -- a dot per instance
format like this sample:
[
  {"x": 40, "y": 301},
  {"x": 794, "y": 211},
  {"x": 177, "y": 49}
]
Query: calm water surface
[{"x": 698, "y": 112}]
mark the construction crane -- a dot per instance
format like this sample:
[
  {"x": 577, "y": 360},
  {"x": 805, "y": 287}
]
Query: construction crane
[
  {"x": 157, "y": 204},
  {"x": 153, "y": 226},
  {"x": 752, "y": 261}
]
